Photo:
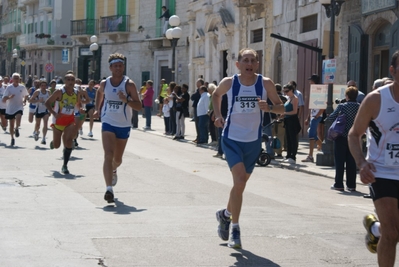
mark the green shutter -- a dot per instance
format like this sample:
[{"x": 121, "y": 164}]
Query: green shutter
[
  {"x": 121, "y": 11},
  {"x": 159, "y": 22},
  {"x": 172, "y": 7},
  {"x": 49, "y": 27},
  {"x": 90, "y": 16},
  {"x": 121, "y": 7},
  {"x": 41, "y": 27},
  {"x": 9, "y": 45}
]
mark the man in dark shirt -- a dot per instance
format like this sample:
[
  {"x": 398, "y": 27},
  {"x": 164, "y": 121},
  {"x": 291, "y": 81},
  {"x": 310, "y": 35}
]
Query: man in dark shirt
[
  {"x": 165, "y": 15},
  {"x": 195, "y": 98}
]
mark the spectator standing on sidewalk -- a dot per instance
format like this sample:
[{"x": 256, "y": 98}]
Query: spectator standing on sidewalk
[
  {"x": 163, "y": 92},
  {"x": 291, "y": 123},
  {"x": 172, "y": 120},
  {"x": 223, "y": 112},
  {"x": 342, "y": 155},
  {"x": 147, "y": 101},
  {"x": 119, "y": 95},
  {"x": 195, "y": 98},
  {"x": 313, "y": 119},
  {"x": 212, "y": 128},
  {"x": 247, "y": 93},
  {"x": 203, "y": 117},
  {"x": 278, "y": 129}
]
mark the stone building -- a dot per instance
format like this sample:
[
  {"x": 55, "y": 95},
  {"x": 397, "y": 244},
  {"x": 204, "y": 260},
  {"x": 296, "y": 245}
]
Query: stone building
[{"x": 38, "y": 30}]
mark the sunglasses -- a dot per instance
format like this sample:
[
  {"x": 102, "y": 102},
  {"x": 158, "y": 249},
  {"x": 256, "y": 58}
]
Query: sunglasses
[{"x": 286, "y": 91}]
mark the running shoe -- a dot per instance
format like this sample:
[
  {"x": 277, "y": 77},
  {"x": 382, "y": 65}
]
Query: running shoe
[
  {"x": 64, "y": 169},
  {"x": 235, "y": 239},
  {"x": 90, "y": 134},
  {"x": 109, "y": 196},
  {"x": 114, "y": 178},
  {"x": 75, "y": 143},
  {"x": 224, "y": 224},
  {"x": 51, "y": 145},
  {"x": 80, "y": 131},
  {"x": 16, "y": 132},
  {"x": 371, "y": 240},
  {"x": 4, "y": 128},
  {"x": 12, "y": 142},
  {"x": 43, "y": 142},
  {"x": 36, "y": 136}
]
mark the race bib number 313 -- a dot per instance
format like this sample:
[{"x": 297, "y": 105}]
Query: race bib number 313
[
  {"x": 246, "y": 104},
  {"x": 392, "y": 155}
]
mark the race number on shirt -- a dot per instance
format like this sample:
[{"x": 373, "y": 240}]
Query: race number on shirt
[
  {"x": 115, "y": 106},
  {"x": 246, "y": 104},
  {"x": 392, "y": 155}
]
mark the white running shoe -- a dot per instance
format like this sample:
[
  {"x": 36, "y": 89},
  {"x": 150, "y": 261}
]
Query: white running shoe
[
  {"x": 80, "y": 131},
  {"x": 114, "y": 178},
  {"x": 36, "y": 136},
  {"x": 90, "y": 134}
]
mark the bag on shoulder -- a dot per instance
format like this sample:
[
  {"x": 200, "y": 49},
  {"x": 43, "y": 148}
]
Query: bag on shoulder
[{"x": 337, "y": 128}]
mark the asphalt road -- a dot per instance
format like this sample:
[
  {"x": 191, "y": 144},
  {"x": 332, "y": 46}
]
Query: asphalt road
[{"x": 164, "y": 215}]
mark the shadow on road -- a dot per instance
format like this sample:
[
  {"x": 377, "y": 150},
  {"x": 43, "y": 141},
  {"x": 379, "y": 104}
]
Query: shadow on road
[
  {"x": 59, "y": 175},
  {"x": 247, "y": 258},
  {"x": 120, "y": 208}
]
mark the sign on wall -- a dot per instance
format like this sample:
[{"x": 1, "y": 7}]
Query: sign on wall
[{"x": 65, "y": 56}]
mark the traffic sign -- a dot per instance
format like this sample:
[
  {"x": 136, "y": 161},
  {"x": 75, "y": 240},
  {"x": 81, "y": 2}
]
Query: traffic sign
[
  {"x": 328, "y": 70},
  {"x": 23, "y": 63},
  {"x": 318, "y": 96},
  {"x": 49, "y": 67}
]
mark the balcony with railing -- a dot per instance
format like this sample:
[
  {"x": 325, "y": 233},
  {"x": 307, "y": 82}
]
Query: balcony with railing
[
  {"x": 10, "y": 29},
  {"x": 115, "y": 24},
  {"x": 22, "y": 3},
  {"x": 28, "y": 40},
  {"x": 46, "y": 5},
  {"x": 55, "y": 41},
  {"x": 83, "y": 27}
]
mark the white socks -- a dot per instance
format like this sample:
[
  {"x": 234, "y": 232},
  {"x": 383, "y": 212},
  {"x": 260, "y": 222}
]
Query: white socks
[
  {"x": 375, "y": 229},
  {"x": 109, "y": 188},
  {"x": 227, "y": 214}
]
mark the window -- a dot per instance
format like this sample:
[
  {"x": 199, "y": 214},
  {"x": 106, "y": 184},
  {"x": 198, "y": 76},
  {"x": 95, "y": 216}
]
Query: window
[
  {"x": 309, "y": 23},
  {"x": 257, "y": 36}
]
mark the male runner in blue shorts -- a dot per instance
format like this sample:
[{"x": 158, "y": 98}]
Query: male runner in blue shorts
[
  {"x": 247, "y": 93},
  {"x": 119, "y": 96}
]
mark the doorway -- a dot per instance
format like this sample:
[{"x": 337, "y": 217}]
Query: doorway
[{"x": 381, "y": 52}]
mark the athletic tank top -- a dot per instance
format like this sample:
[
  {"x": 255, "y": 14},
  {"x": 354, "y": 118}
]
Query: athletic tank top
[
  {"x": 288, "y": 107},
  {"x": 31, "y": 105},
  {"x": 383, "y": 137},
  {"x": 244, "y": 117},
  {"x": 67, "y": 103},
  {"x": 114, "y": 111},
  {"x": 41, "y": 107},
  {"x": 92, "y": 95}
]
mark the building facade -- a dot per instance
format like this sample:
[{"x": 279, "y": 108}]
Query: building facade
[{"x": 39, "y": 31}]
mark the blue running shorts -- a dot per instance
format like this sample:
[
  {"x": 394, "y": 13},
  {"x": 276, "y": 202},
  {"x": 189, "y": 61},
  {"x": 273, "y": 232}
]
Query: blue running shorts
[
  {"x": 120, "y": 132},
  {"x": 245, "y": 152}
]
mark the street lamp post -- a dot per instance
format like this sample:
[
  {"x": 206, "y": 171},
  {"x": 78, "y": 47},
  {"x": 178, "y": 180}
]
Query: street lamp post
[
  {"x": 174, "y": 34},
  {"x": 333, "y": 8},
  {"x": 15, "y": 56},
  {"x": 93, "y": 49}
]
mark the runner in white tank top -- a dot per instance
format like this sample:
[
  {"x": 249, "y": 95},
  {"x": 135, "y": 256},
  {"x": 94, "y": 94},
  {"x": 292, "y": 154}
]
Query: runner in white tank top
[
  {"x": 118, "y": 94},
  {"x": 379, "y": 114}
]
